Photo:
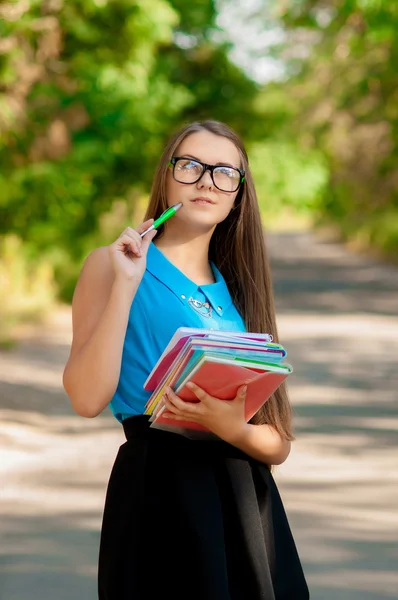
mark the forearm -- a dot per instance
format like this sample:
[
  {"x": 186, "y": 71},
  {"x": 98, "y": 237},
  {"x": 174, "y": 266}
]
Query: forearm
[
  {"x": 91, "y": 375},
  {"x": 263, "y": 443}
]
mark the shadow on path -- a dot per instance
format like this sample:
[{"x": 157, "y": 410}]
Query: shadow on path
[{"x": 337, "y": 316}]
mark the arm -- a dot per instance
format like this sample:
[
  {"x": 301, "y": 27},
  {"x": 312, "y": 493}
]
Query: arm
[
  {"x": 263, "y": 443},
  {"x": 100, "y": 310}
]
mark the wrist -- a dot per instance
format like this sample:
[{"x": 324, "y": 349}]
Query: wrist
[{"x": 125, "y": 286}]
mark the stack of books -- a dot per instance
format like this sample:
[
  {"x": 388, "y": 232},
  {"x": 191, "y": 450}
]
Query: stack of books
[{"x": 219, "y": 362}]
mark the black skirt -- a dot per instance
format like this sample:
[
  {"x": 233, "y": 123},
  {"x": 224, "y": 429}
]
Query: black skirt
[{"x": 193, "y": 520}]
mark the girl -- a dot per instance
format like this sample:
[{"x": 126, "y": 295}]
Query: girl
[{"x": 196, "y": 520}]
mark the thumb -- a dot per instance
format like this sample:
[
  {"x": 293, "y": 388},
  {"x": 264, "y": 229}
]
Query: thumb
[
  {"x": 241, "y": 392},
  {"x": 147, "y": 239},
  {"x": 144, "y": 226}
]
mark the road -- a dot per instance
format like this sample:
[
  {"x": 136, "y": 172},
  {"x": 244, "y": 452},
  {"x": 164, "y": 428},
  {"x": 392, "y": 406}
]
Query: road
[{"x": 337, "y": 318}]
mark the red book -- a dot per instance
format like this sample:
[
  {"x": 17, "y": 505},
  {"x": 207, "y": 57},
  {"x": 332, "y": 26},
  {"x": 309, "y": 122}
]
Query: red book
[{"x": 222, "y": 380}]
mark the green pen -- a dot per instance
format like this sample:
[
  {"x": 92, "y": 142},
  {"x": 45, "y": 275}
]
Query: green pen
[{"x": 163, "y": 217}]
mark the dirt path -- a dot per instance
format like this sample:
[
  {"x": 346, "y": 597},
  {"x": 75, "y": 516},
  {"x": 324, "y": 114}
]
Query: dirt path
[{"x": 337, "y": 318}]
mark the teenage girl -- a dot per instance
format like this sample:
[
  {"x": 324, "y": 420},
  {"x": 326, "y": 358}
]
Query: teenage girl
[{"x": 192, "y": 520}]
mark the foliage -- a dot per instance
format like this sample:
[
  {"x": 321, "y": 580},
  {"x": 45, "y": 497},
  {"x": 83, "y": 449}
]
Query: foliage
[
  {"x": 346, "y": 92},
  {"x": 91, "y": 89},
  {"x": 27, "y": 289}
]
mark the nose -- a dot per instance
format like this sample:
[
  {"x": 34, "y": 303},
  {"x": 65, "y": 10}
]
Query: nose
[{"x": 205, "y": 180}]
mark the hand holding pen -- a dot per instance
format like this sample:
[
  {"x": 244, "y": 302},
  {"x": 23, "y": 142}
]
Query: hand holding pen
[{"x": 128, "y": 252}]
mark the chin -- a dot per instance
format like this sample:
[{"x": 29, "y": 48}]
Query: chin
[{"x": 197, "y": 228}]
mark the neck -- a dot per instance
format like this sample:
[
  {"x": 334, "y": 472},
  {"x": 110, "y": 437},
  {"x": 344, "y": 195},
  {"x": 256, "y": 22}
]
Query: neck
[{"x": 188, "y": 252}]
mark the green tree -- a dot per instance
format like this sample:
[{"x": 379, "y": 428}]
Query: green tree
[
  {"x": 342, "y": 60},
  {"x": 90, "y": 91}
]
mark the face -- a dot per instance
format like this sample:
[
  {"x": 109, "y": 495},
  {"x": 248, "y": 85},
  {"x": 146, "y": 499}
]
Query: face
[{"x": 204, "y": 205}]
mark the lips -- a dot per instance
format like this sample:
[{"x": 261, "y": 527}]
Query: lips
[{"x": 202, "y": 200}]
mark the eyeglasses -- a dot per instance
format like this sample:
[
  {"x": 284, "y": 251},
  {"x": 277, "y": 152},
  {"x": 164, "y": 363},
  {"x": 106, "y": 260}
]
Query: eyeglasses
[{"x": 225, "y": 178}]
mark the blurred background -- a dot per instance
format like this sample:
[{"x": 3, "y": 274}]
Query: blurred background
[{"x": 90, "y": 91}]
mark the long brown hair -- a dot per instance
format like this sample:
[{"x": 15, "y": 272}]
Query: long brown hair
[{"x": 237, "y": 248}]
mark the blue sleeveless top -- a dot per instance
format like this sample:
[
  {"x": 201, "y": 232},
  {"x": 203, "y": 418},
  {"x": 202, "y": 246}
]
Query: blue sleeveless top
[{"x": 165, "y": 300}]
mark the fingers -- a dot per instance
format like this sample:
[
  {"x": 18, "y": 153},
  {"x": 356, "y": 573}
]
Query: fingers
[
  {"x": 132, "y": 233},
  {"x": 199, "y": 393},
  {"x": 143, "y": 226},
  {"x": 147, "y": 239},
  {"x": 177, "y": 417},
  {"x": 129, "y": 244},
  {"x": 206, "y": 399},
  {"x": 177, "y": 406},
  {"x": 132, "y": 240}
]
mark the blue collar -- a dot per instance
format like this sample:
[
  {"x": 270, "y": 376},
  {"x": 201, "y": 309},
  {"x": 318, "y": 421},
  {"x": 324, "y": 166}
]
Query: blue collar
[{"x": 165, "y": 271}]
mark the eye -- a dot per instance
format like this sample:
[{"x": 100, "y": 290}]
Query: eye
[
  {"x": 228, "y": 172},
  {"x": 187, "y": 165}
]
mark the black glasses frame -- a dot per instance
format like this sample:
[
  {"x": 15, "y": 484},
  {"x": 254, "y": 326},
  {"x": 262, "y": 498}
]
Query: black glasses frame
[{"x": 205, "y": 168}]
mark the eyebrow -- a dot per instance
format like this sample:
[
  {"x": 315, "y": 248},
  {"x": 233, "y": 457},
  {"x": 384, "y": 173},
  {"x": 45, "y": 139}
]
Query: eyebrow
[{"x": 226, "y": 164}]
